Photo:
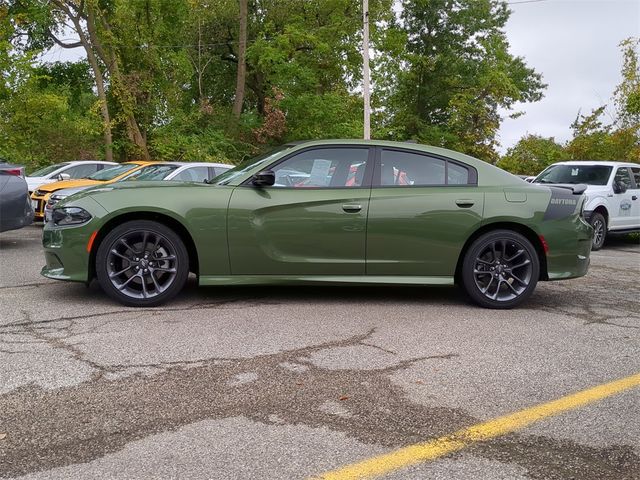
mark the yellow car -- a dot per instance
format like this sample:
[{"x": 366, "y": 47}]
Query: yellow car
[{"x": 40, "y": 197}]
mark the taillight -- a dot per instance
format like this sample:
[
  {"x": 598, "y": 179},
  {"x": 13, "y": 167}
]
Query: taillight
[
  {"x": 545, "y": 245},
  {"x": 14, "y": 171}
]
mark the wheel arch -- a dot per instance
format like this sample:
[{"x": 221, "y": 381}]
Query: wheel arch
[
  {"x": 604, "y": 212},
  {"x": 164, "y": 219},
  {"x": 524, "y": 230}
]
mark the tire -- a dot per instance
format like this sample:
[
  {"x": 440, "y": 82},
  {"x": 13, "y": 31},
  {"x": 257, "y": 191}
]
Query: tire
[
  {"x": 500, "y": 269},
  {"x": 142, "y": 263},
  {"x": 599, "y": 224}
]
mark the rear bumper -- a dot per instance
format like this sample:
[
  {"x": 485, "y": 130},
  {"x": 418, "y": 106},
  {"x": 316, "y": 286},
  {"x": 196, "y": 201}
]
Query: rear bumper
[{"x": 569, "y": 252}]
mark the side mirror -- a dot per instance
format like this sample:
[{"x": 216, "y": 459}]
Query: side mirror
[
  {"x": 64, "y": 176},
  {"x": 619, "y": 187},
  {"x": 265, "y": 178}
]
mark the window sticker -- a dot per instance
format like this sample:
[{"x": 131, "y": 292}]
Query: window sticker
[
  {"x": 574, "y": 172},
  {"x": 319, "y": 176}
]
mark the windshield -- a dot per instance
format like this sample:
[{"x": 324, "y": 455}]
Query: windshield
[
  {"x": 588, "y": 174},
  {"x": 113, "y": 172},
  {"x": 152, "y": 172},
  {"x": 47, "y": 170},
  {"x": 225, "y": 177}
]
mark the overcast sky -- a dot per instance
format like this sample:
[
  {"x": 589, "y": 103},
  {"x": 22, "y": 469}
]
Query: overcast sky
[{"x": 573, "y": 43}]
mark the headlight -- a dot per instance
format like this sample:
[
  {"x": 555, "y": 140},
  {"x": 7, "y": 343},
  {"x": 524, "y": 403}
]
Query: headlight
[
  {"x": 70, "y": 216},
  {"x": 53, "y": 199}
]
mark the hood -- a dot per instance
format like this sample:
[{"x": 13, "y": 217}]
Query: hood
[
  {"x": 82, "y": 182},
  {"x": 35, "y": 182}
]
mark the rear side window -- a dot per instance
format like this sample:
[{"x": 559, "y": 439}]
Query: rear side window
[
  {"x": 636, "y": 175},
  {"x": 413, "y": 169}
]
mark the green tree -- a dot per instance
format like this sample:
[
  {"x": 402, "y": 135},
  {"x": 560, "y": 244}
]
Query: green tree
[
  {"x": 532, "y": 154},
  {"x": 451, "y": 73}
]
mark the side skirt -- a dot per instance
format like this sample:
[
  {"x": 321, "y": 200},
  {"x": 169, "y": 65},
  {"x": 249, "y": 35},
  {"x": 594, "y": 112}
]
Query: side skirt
[{"x": 322, "y": 279}]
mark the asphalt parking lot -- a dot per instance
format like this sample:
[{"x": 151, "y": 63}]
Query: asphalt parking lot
[{"x": 279, "y": 383}]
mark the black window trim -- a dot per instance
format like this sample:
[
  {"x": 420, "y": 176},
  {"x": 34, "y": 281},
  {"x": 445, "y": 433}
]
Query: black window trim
[
  {"x": 377, "y": 181},
  {"x": 633, "y": 176},
  {"x": 366, "y": 181},
  {"x": 629, "y": 172}
]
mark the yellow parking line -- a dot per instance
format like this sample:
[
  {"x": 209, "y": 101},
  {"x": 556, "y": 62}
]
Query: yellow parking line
[{"x": 421, "y": 452}]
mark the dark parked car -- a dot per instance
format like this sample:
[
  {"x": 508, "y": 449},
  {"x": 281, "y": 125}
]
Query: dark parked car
[{"x": 15, "y": 204}]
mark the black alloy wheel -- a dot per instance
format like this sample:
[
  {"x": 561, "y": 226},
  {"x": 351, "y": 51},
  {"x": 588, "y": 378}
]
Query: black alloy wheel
[
  {"x": 142, "y": 263},
  {"x": 500, "y": 269}
]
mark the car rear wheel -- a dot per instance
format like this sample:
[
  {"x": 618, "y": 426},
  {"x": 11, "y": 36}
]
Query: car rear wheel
[
  {"x": 500, "y": 269},
  {"x": 142, "y": 263},
  {"x": 599, "y": 224}
]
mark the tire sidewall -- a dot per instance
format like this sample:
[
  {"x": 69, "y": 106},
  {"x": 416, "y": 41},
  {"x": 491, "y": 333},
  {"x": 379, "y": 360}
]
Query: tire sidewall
[
  {"x": 468, "y": 279},
  {"x": 182, "y": 262},
  {"x": 594, "y": 218}
]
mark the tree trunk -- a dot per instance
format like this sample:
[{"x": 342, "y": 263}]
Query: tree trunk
[
  {"x": 104, "y": 107},
  {"x": 242, "y": 65},
  {"x": 97, "y": 72},
  {"x": 110, "y": 58}
]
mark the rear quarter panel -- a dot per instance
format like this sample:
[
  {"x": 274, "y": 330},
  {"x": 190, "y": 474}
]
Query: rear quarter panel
[{"x": 553, "y": 214}]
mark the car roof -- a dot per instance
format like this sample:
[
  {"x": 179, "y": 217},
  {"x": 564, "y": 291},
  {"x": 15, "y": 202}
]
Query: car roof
[
  {"x": 203, "y": 164},
  {"x": 81, "y": 162},
  {"x": 598, "y": 162}
]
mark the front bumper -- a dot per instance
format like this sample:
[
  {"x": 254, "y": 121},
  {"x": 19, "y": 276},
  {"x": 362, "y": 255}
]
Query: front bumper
[
  {"x": 65, "y": 253},
  {"x": 65, "y": 248},
  {"x": 38, "y": 202}
]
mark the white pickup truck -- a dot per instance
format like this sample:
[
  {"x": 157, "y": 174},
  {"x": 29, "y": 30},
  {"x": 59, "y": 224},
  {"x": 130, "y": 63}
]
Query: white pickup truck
[{"x": 613, "y": 194}]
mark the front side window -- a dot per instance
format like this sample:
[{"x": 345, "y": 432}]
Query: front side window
[
  {"x": 323, "y": 168},
  {"x": 113, "y": 172},
  {"x": 151, "y": 172},
  {"x": 81, "y": 171},
  {"x": 193, "y": 174},
  {"x": 622, "y": 176}
]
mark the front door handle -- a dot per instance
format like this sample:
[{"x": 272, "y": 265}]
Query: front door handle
[
  {"x": 634, "y": 197},
  {"x": 464, "y": 203},
  {"x": 351, "y": 208}
]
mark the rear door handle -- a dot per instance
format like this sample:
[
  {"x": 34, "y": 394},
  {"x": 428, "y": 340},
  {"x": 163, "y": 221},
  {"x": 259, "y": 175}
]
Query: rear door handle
[
  {"x": 462, "y": 203},
  {"x": 634, "y": 197},
  {"x": 351, "y": 208}
]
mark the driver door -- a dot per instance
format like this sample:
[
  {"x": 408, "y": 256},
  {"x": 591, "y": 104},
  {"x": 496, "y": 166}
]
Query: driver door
[
  {"x": 312, "y": 221},
  {"x": 622, "y": 203}
]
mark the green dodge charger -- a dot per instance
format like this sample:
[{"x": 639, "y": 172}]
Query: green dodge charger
[{"x": 332, "y": 212}]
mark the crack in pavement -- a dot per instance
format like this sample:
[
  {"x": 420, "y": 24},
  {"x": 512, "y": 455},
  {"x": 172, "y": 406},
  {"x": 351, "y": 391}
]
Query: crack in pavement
[
  {"x": 247, "y": 303},
  {"x": 53, "y": 428}
]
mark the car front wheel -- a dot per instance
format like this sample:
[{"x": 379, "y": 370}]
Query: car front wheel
[
  {"x": 142, "y": 263},
  {"x": 599, "y": 224},
  {"x": 500, "y": 269}
]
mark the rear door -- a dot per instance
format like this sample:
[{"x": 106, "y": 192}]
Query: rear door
[
  {"x": 311, "y": 222},
  {"x": 422, "y": 210}
]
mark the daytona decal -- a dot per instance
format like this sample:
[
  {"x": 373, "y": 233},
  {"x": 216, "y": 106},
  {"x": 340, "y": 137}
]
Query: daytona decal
[{"x": 562, "y": 203}]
